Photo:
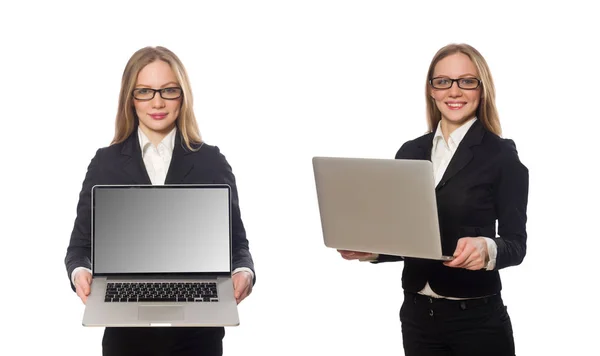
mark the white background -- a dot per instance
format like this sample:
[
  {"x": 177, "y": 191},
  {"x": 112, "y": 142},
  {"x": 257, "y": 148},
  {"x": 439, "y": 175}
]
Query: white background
[{"x": 275, "y": 83}]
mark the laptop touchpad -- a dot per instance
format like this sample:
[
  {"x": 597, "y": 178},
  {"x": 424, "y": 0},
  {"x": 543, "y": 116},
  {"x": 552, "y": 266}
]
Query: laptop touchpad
[{"x": 159, "y": 313}]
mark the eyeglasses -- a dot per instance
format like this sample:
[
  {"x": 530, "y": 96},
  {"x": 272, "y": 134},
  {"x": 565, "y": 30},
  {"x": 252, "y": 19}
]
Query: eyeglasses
[
  {"x": 463, "y": 83},
  {"x": 165, "y": 93}
]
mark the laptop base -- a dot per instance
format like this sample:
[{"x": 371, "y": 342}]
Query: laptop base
[{"x": 98, "y": 312}]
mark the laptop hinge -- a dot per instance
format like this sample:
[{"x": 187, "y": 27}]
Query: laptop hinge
[{"x": 165, "y": 275}]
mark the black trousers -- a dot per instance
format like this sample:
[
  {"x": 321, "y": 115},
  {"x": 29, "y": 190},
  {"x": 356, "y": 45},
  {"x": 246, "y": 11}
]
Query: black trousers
[
  {"x": 442, "y": 327},
  {"x": 163, "y": 341}
]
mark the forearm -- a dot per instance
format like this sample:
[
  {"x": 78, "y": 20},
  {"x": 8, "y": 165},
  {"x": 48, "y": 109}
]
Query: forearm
[
  {"x": 511, "y": 251},
  {"x": 80, "y": 245},
  {"x": 511, "y": 206}
]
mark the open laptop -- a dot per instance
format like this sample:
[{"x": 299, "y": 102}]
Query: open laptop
[
  {"x": 385, "y": 206},
  {"x": 161, "y": 256}
]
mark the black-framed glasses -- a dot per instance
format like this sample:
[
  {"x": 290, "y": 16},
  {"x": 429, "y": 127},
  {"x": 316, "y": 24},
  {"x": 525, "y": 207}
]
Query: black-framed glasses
[
  {"x": 165, "y": 93},
  {"x": 463, "y": 83}
]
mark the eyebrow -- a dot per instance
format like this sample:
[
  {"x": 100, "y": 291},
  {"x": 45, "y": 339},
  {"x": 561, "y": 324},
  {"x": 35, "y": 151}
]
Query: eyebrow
[
  {"x": 162, "y": 86},
  {"x": 467, "y": 75}
]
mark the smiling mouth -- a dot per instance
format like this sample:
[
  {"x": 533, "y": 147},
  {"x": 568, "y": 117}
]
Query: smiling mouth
[{"x": 455, "y": 106}]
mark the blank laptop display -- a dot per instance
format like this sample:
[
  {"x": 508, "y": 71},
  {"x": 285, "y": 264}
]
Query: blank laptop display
[{"x": 177, "y": 230}]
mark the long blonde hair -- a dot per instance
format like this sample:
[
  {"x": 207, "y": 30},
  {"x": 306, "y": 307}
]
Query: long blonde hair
[
  {"x": 486, "y": 111},
  {"x": 126, "y": 120}
]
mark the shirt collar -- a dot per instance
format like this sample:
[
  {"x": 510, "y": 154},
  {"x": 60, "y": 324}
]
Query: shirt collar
[
  {"x": 456, "y": 136},
  {"x": 168, "y": 141}
]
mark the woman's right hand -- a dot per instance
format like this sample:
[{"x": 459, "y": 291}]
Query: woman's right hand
[
  {"x": 83, "y": 282},
  {"x": 355, "y": 255}
]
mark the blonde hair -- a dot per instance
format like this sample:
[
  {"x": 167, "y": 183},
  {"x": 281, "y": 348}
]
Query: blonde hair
[
  {"x": 126, "y": 120},
  {"x": 486, "y": 111}
]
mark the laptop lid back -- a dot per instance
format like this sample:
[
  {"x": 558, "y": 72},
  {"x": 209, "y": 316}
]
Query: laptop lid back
[{"x": 382, "y": 206}]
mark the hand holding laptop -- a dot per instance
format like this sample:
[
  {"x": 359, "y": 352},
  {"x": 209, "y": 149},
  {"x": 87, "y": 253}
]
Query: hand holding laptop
[
  {"x": 83, "y": 282},
  {"x": 242, "y": 285},
  {"x": 471, "y": 253},
  {"x": 356, "y": 255}
]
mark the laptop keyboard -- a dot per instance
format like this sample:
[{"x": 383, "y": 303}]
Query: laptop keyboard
[{"x": 161, "y": 292}]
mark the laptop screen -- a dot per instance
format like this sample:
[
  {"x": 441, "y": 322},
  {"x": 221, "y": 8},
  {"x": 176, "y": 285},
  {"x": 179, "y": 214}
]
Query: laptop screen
[{"x": 161, "y": 229}]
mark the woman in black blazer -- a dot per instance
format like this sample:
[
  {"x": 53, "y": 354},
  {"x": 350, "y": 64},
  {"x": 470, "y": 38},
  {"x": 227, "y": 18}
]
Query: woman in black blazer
[
  {"x": 157, "y": 141},
  {"x": 455, "y": 308}
]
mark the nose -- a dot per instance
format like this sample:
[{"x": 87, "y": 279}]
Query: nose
[
  {"x": 157, "y": 101},
  {"x": 454, "y": 90}
]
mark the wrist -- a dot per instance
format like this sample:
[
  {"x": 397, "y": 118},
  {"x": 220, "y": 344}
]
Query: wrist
[{"x": 370, "y": 258}]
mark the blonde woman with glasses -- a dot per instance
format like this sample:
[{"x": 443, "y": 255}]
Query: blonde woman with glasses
[
  {"x": 455, "y": 307},
  {"x": 157, "y": 141}
]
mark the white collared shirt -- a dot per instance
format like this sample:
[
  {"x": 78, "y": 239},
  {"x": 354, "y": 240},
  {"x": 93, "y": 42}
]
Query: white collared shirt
[
  {"x": 441, "y": 154},
  {"x": 442, "y": 151},
  {"x": 157, "y": 160}
]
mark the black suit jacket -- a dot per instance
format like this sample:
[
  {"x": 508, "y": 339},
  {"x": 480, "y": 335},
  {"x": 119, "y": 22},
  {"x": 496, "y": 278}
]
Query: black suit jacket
[
  {"x": 484, "y": 182},
  {"x": 122, "y": 164}
]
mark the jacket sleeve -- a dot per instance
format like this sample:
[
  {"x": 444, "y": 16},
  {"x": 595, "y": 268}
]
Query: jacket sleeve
[
  {"x": 241, "y": 256},
  {"x": 80, "y": 246},
  {"x": 511, "y": 195}
]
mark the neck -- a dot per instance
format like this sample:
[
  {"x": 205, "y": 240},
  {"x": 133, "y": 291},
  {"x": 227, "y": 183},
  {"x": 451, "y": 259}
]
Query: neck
[
  {"x": 156, "y": 137},
  {"x": 448, "y": 127}
]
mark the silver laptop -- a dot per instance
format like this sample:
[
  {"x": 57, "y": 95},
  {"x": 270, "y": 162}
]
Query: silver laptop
[
  {"x": 385, "y": 206},
  {"x": 161, "y": 256}
]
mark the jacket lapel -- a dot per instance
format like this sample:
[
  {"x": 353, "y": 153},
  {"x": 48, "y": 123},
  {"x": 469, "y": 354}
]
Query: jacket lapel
[
  {"x": 182, "y": 162},
  {"x": 463, "y": 154},
  {"x": 132, "y": 163}
]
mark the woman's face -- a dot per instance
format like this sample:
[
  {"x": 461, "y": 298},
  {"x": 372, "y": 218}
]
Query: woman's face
[
  {"x": 456, "y": 105},
  {"x": 157, "y": 115}
]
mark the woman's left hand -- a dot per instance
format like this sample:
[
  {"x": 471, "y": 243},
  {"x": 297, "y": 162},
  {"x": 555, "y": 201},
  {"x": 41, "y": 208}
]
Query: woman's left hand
[
  {"x": 242, "y": 285},
  {"x": 471, "y": 253}
]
